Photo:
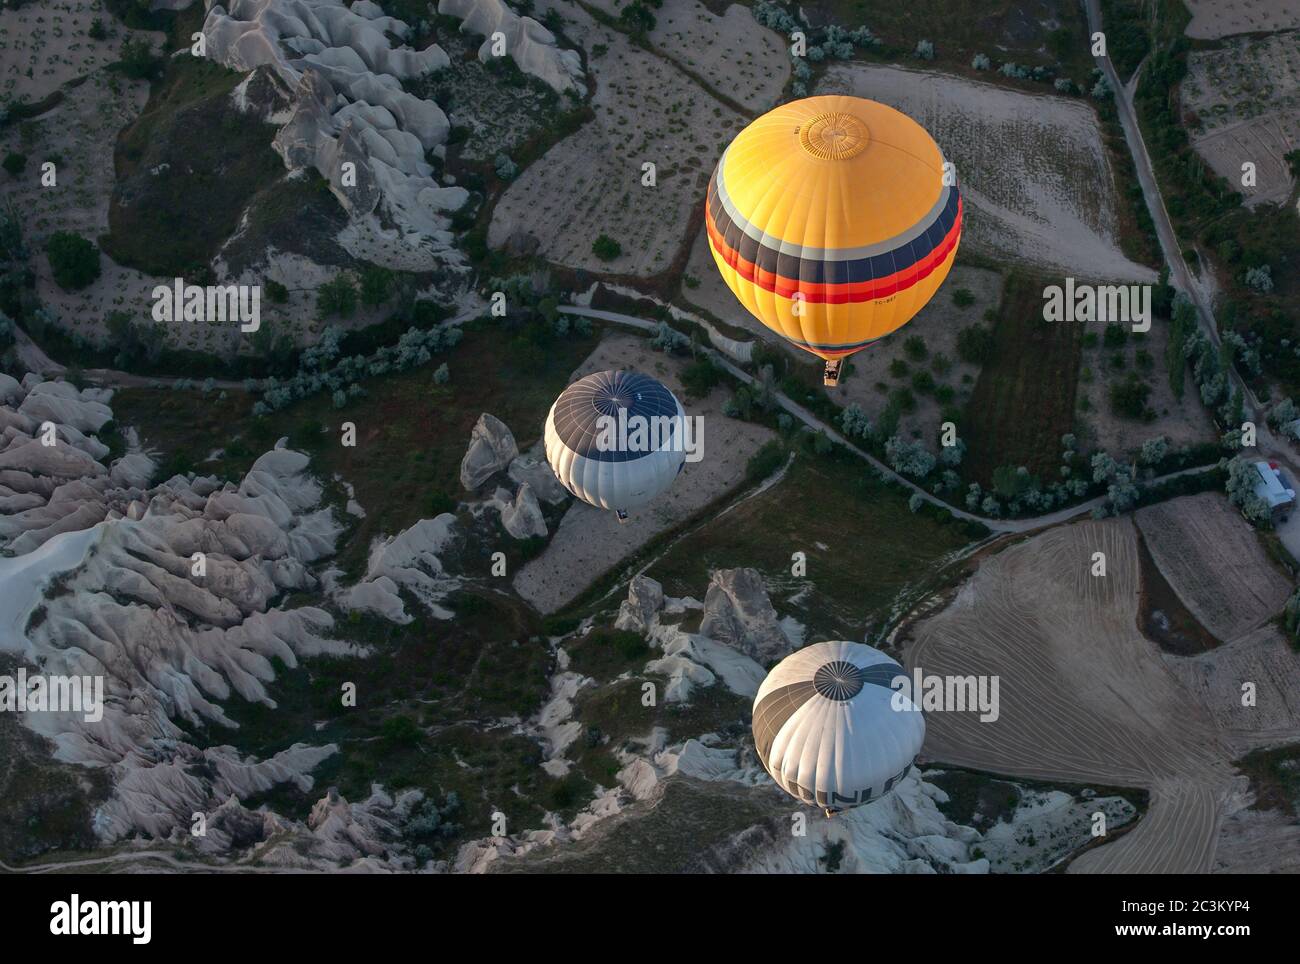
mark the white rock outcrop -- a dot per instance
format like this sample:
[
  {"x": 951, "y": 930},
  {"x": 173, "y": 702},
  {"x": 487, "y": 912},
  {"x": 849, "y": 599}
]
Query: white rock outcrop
[
  {"x": 491, "y": 448},
  {"x": 738, "y": 612},
  {"x": 645, "y": 599},
  {"x": 164, "y": 594},
  {"x": 350, "y": 118},
  {"x": 411, "y": 561},
  {"x": 521, "y": 515},
  {"x": 529, "y": 44},
  {"x": 539, "y": 475}
]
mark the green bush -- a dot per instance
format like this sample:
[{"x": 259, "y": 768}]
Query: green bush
[
  {"x": 975, "y": 344},
  {"x": 606, "y": 248},
  {"x": 700, "y": 378},
  {"x": 1128, "y": 398},
  {"x": 14, "y": 163},
  {"x": 137, "y": 60},
  {"x": 376, "y": 285},
  {"x": 962, "y": 298},
  {"x": 337, "y": 297},
  {"x": 73, "y": 260}
]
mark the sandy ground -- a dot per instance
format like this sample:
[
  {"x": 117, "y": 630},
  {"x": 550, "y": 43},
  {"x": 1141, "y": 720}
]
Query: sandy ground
[
  {"x": 1183, "y": 421},
  {"x": 78, "y": 135},
  {"x": 1246, "y": 97},
  {"x": 1084, "y": 697},
  {"x": 1220, "y": 18},
  {"x": 45, "y": 44},
  {"x": 589, "y": 541},
  {"x": 1263, "y": 657},
  {"x": 1254, "y": 842},
  {"x": 1214, "y": 562},
  {"x": 1032, "y": 168},
  {"x": 736, "y": 56},
  {"x": 589, "y": 184}
]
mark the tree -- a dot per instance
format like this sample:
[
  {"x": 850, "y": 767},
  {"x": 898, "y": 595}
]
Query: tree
[
  {"x": 376, "y": 285},
  {"x": 1128, "y": 398},
  {"x": 337, "y": 297},
  {"x": 1154, "y": 450},
  {"x": 73, "y": 260},
  {"x": 636, "y": 19},
  {"x": 1243, "y": 477},
  {"x": 1010, "y": 481},
  {"x": 975, "y": 344},
  {"x": 909, "y": 458},
  {"x": 700, "y": 377},
  {"x": 1260, "y": 278},
  {"x": 137, "y": 59},
  {"x": 854, "y": 421},
  {"x": 14, "y": 163},
  {"x": 605, "y": 247}
]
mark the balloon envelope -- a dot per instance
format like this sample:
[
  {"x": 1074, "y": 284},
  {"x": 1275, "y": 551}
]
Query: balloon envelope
[
  {"x": 830, "y": 729},
  {"x": 593, "y": 445},
  {"x": 829, "y": 219}
]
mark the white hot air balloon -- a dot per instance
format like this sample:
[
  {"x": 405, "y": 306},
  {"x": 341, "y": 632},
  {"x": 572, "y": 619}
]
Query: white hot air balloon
[
  {"x": 831, "y": 730},
  {"x": 616, "y": 439}
]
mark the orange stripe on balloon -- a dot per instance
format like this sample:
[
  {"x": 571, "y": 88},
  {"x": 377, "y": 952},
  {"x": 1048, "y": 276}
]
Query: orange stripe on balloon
[{"x": 836, "y": 294}]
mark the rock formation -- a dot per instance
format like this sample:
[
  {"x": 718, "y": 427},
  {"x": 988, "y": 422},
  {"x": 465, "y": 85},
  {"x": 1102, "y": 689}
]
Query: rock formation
[
  {"x": 737, "y": 612},
  {"x": 407, "y": 561},
  {"x": 645, "y": 598},
  {"x": 530, "y": 45},
  {"x": 491, "y": 449},
  {"x": 521, "y": 516},
  {"x": 164, "y": 593},
  {"x": 539, "y": 475},
  {"x": 350, "y": 117}
]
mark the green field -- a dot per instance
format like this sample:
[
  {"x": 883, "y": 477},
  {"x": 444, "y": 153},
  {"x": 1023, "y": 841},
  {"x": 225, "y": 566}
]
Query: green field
[
  {"x": 1024, "y": 398},
  {"x": 863, "y": 547}
]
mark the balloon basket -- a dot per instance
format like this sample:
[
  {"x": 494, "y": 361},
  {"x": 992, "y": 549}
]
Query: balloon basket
[{"x": 831, "y": 376}]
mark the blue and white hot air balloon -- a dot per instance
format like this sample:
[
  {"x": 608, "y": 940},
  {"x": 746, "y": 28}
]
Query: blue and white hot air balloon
[
  {"x": 616, "y": 439},
  {"x": 831, "y": 729}
]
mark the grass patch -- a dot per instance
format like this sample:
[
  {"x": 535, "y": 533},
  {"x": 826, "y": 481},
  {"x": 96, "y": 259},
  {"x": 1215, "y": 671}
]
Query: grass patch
[
  {"x": 1024, "y": 398},
  {"x": 862, "y": 544}
]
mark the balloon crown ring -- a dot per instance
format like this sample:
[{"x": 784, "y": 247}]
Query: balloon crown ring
[{"x": 834, "y": 136}]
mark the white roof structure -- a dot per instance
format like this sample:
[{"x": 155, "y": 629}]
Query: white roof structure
[{"x": 1270, "y": 487}]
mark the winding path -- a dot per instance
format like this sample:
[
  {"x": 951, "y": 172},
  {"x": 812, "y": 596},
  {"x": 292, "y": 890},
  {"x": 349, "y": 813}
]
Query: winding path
[{"x": 1028, "y": 524}]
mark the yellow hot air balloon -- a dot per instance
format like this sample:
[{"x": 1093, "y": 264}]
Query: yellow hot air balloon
[{"x": 831, "y": 221}]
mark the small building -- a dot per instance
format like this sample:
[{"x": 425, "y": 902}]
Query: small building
[{"x": 1273, "y": 487}]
